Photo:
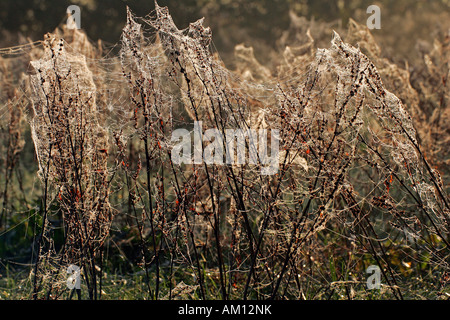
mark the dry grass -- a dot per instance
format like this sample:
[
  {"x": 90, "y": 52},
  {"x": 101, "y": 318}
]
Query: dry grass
[{"x": 362, "y": 179}]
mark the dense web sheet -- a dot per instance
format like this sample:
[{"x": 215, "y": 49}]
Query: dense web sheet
[{"x": 351, "y": 173}]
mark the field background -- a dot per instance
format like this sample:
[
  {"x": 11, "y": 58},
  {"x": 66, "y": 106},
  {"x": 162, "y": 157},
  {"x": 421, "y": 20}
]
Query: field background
[{"x": 414, "y": 41}]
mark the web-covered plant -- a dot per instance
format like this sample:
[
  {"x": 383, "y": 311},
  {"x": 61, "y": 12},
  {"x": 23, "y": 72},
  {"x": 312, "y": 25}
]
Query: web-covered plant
[
  {"x": 334, "y": 118},
  {"x": 349, "y": 183},
  {"x": 71, "y": 148},
  {"x": 11, "y": 136}
]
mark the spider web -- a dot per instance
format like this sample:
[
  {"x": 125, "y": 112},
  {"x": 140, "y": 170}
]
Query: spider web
[{"x": 336, "y": 120}]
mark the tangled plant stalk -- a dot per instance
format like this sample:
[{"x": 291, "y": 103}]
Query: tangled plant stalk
[
  {"x": 71, "y": 147},
  {"x": 353, "y": 186}
]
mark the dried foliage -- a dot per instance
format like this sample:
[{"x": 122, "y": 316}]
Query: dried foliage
[{"x": 358, "y": 183}]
